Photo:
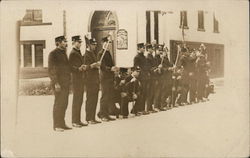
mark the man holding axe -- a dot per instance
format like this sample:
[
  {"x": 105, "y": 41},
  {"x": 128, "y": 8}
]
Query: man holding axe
[{"x": 107, "y": 68}]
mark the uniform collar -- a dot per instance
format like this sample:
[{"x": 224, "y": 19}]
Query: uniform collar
[
  {"x": 76, "y": 49},
  {"x": 150, "y": 54},
  {"x": 60, "y": 48},
  {"x": 141, "y": 54}
]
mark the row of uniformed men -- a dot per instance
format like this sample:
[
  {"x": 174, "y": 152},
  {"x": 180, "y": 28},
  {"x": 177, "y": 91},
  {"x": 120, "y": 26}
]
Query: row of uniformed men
[
  {"x": 166, "y": 84},
  {"x": 150, "y": 82}
]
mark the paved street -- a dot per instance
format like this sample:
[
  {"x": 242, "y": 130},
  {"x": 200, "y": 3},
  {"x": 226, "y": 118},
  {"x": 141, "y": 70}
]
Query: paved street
[{"x": 214, "y": 128}]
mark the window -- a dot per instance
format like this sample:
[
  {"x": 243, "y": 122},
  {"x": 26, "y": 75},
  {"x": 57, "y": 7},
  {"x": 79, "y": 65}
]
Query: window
[
  {"x": 216, "y": 25},
  {"x": 148, "y": 28},
  {"x": 183, "y": 20},
  {"x": 156, "y": 27},
  {"x": 201, "y": 21},
  {"x": 33, "y": 16},
  {"x": 152, "y": 26},
  {"x": 32, "y": 53}
]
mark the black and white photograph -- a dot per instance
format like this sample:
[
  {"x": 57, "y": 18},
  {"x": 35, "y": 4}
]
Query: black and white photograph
[{"x": 108, "y": 78}]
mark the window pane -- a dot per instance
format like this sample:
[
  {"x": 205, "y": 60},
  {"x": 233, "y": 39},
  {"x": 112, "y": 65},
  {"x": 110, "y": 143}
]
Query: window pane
[
  {"x": 200, "y": 19},
  {"x": 27, "y": 55},
  {"x": 148, "y": 28},
  {"x": 38, "y": 55},
  {"x": 183, "y": 14},
  {"x": 185, "y": 18},
  {"x": 156, "y": 27},
  {"x": 216, "y": 25}
]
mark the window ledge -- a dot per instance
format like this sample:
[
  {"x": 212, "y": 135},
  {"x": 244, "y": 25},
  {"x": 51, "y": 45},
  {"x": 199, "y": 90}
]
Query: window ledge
[
  {"x": 35, "y": 23},
  {"x": 216, "y": 31},
  {"x": 201, "y": 29}
]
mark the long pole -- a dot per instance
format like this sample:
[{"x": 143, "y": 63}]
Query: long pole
[
  {"x": 64, "y": 23},
  {"x": 105, "y": 49}
]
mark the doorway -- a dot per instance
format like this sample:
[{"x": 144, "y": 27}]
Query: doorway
[{"x": 103, "y": 23}]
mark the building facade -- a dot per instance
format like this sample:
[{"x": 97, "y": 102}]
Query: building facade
[{"x": 128, "y": 26}]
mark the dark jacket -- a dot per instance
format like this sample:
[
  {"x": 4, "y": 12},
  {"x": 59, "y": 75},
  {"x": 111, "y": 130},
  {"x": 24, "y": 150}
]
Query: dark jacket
[
  {"x": 150, "y": 65},
  {"x": 106, "y": 64},
  {"x": 76, "y": 60},
  {"x": 177, "y": 81},
  {"x": 188, "y": 64},
  {"x": 201, "y": 66},
  {"x": 166, "y": 73},
  {"x": 119, "y": 87},
  {"x": 92, "y": 74},
  {"x": 59, "y": 68},
  {"x": 157, "y": 62},
  {"x": 132, "y": 87},
  {"x": 141, "y": 61}
]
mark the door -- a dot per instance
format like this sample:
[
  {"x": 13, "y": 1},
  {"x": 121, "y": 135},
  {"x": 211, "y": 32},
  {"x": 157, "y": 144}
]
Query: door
[{"x": 104, "y": 23}]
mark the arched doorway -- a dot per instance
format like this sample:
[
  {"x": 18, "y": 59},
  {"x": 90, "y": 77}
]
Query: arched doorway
[{"x": 101, "y": 24}]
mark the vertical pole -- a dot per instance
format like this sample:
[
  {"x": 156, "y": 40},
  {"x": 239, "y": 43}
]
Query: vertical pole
[
  {"x": 64, "y": 23},
  {"x": 21, "y": 56}
]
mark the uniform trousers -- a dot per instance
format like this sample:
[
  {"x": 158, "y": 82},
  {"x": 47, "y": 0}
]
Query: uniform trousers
[
  {"x": 78, "y": 90},
  {"x": 92, "y": 90},
  {"x": 60, "y": 106},
  {"x": 107, "y": 103}
]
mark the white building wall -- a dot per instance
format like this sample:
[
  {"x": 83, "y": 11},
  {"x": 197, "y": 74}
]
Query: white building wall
[
  {"x": 77, "y": 23},
  {"x": 141, "y": 26},
  {"x": 192, "y": 34},
  {"x": 124, "y": 58}
]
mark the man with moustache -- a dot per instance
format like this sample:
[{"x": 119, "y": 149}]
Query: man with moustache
[{"x": 59, "y": 73}]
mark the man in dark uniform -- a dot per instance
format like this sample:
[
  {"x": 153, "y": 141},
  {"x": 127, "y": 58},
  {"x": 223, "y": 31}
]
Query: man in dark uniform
[
  {"x": 150, "y": 88},
  {"x": 133, "y": 91},
  {"x": 185, "y": 63},
  {"x": 121, "y": 95},
  {"x": 120, "y": 91},
  {"x": 209, "y": 87},
  {"x": 59, "y": 73},
  {"x": 77, "y": 68},
  {"x": 201, "y": 76},
  {"x": 157, "y": 79},
  {"x": 91, "y": 80},
  {"x": 107, "y": 68},
  {"x": 140, "y": 61},
  {"x": 192, "y": 77},
  {"x": 166, "y": 79}
]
